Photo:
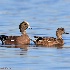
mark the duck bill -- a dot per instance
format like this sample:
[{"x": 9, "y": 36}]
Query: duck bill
[{"x": 66, "y": 33}]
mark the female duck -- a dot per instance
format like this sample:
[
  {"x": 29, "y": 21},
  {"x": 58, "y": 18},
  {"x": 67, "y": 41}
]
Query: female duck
[
  {"x": 51, "y": 41},
  {"x": 17, "y": 40}
]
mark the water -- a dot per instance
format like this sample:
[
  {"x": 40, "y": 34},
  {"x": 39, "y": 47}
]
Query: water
[{"x": 44, "y": 16}]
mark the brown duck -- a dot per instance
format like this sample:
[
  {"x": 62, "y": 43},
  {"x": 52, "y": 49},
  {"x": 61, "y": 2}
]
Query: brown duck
[
  {"x": 51, "y": 41},
  {"x": 17, "y": 40}
]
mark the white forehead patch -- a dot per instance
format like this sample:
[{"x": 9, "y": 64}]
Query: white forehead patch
[{"x": 28, "y": 24}]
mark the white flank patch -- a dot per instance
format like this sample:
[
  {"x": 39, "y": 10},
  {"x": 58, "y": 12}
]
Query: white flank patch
[
  {"x": 12, "y": 40},
  {"x": 40, "y": 40}
]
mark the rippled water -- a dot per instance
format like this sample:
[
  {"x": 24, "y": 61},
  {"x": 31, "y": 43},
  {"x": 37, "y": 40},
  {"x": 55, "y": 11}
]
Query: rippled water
[{"x": 44, "y": 16}]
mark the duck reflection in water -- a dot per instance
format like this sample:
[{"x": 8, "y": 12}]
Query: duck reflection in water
[{"x": 22, "y": 47}]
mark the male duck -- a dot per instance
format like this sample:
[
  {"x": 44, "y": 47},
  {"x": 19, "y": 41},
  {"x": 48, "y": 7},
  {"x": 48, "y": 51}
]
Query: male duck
[
  {"x": 51, "y": 41},
  {"x": 17, "y": 40}
]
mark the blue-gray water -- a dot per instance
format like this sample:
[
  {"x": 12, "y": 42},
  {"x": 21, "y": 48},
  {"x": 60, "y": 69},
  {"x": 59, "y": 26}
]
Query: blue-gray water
[{"x": 44, "y": 16}]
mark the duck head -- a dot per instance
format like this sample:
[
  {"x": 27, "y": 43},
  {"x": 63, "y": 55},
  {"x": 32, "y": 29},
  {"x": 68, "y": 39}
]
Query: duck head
[
  {"x": 59, "y": 32},
  {"x": 23, "y": 26}
]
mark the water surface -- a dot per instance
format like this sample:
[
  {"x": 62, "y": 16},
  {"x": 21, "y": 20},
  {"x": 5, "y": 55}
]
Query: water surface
[{"x": 44, "y": 16}]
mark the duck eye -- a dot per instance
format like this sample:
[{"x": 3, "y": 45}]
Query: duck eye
[
  {"x": 62, "y": 29},
  {"x": 24, "y": 24}
]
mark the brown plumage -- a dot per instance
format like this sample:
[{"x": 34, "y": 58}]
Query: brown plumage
[
  {"x": 19, "y": 40},
  {"x": 51, "y": 41}
]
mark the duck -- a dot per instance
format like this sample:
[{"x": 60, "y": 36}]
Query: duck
[
  {"x": 51, "y": 41},
  {"x": 23, "y": 39}
]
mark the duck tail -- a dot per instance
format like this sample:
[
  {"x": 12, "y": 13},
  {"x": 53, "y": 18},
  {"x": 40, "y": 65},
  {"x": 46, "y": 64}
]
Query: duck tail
[{"x": 3, "y": 38}]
